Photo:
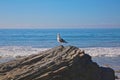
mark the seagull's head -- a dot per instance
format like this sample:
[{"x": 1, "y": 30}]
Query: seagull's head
[{"x": 58, "y": 34}]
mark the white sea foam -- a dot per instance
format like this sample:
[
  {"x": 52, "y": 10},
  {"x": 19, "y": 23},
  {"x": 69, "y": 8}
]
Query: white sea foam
[
  {"x": 100, "y": 51},
  {"x": 14, "y": 51},
  {"x": 11, "y": 52}
]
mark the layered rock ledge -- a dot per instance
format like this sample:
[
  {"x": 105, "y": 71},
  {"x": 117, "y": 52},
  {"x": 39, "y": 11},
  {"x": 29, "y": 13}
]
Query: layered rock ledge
[{"x": 59, "y": 63}]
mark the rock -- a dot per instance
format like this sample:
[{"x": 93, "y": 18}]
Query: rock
[
  {"x": 0, "y": 56},
  {"x": 107, "y": 72},
  {"x": 59, "y": 63}
]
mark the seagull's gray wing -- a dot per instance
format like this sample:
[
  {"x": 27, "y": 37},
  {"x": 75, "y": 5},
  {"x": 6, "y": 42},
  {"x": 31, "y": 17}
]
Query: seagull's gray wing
[{"x": 63, "y": 41}]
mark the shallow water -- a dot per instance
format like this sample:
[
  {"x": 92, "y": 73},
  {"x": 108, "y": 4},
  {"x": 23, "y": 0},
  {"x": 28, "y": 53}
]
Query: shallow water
[{"x": 113, "y": 62}]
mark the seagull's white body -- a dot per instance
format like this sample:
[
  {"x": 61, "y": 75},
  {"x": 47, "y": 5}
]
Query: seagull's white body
[{"x": 59, "y": 39}]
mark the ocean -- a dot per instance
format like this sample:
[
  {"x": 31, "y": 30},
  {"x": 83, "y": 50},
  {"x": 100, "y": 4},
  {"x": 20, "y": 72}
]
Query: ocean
[
  {"x": 102, "y": 44},
  {"x": 46, "y": 38}
]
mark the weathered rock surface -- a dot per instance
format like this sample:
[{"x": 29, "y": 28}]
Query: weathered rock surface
[{"x": 59, "y": 63}]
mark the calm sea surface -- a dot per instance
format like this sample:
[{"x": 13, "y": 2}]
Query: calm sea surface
[{"x": 46, "y": 38}]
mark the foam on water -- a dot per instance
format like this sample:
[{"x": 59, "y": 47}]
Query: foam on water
[
  {"x": 103, "y": 52},
  {"x": 14, "y": 51},
  {"x": 9, "y": 52}
]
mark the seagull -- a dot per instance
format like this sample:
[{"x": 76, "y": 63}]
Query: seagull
[{"x": 59, "y": 39}]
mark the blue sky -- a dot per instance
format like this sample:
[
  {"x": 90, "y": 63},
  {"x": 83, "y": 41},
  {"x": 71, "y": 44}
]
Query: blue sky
[{"x": 59, "y": 13}]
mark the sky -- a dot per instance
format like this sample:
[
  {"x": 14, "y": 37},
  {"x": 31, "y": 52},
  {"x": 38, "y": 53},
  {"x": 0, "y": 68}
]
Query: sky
[{"x": 59, "y": 13}]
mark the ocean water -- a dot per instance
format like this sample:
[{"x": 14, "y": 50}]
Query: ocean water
[
  {"x": 102, "y": 44},
  {"x": 46, "y": 38}
]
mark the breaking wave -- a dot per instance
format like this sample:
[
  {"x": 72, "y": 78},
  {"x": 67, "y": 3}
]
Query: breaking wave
[
  {"x": 11, "y": 52},
  {"x": 103, "y": 52}
]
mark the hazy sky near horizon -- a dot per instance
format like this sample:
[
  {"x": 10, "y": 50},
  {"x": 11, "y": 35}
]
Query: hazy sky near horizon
[{"x": 59, "y": 13}]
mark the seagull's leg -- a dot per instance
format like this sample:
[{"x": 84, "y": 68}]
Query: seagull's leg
[{"x": 61, "y": 44}]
